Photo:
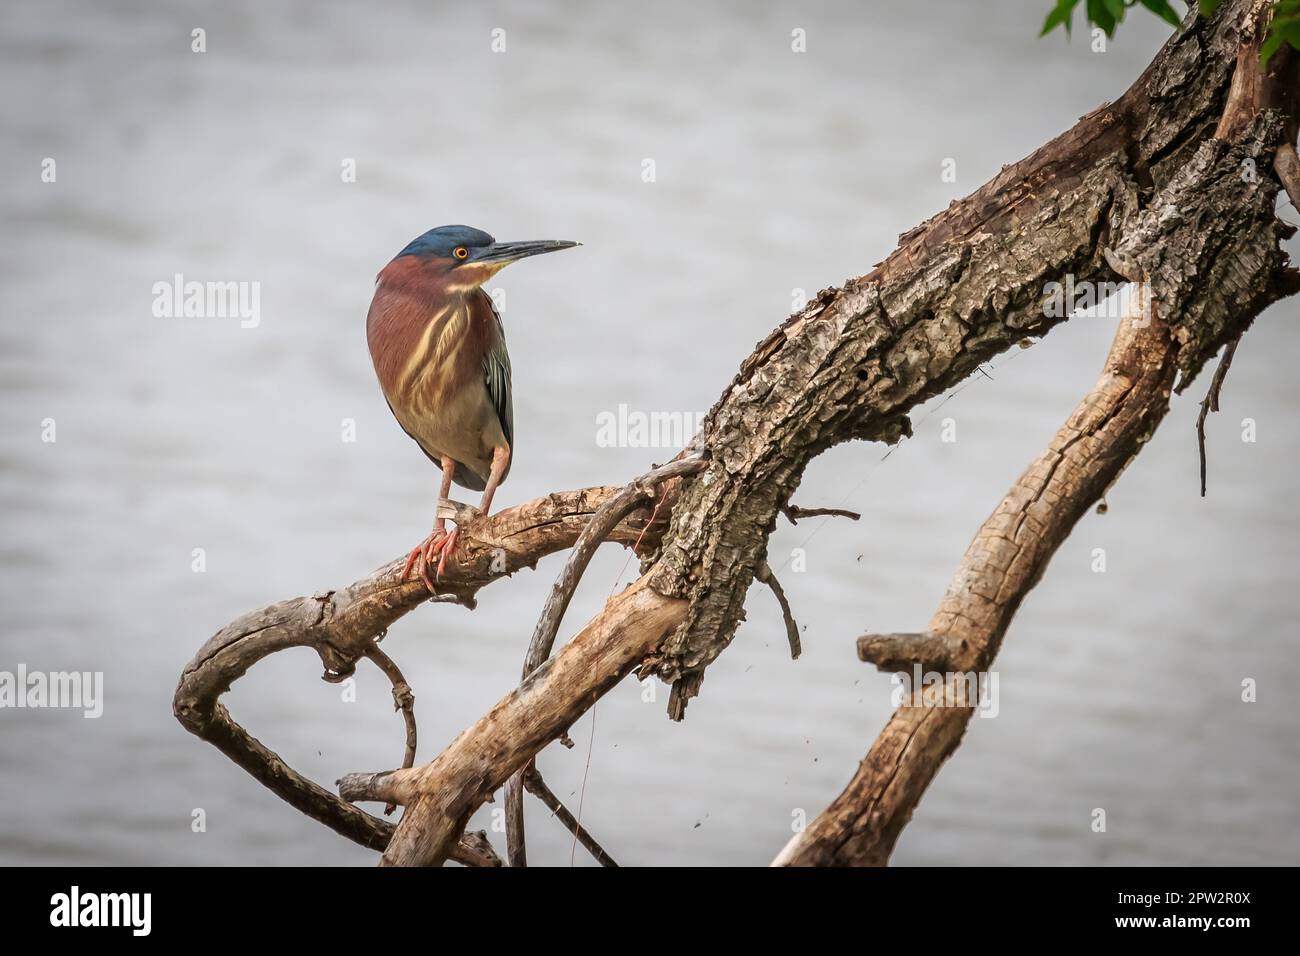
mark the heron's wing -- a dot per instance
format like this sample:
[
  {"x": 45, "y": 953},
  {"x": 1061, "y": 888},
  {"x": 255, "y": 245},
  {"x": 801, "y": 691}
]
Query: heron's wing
[
  {"x": 428, "y": 454},
  {"x": 496, "y": 375}
]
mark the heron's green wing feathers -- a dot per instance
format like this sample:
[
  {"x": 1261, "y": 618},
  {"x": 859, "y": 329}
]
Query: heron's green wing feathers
[{"x": 496, "y": 375}]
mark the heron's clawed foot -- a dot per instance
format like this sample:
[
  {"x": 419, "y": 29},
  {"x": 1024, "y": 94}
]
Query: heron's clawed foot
[
  {"x": 444, "y": 551},
  {"x": 440, "y": 545}
]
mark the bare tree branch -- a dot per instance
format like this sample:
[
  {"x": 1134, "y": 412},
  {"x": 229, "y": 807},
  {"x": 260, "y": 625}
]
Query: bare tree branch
[
  {"x": 538, "y": 788},
  {"x": 440, "y": 796},
  {"x": 961, "y": 288},
  {"x": 475, "y": 850},
  {"x": 598, "y": 529},
  {"x": 899, "y": 652},
  {"x": 1106, "y": 431},
  {"x": 343, "y": 625},
  {"x": 793, "y": 513},
  {"x": 403, "y": 700},
  {"x": 765, "y": 575},
  {"x": 1003, "y": 563},
  {"x": 1211, "y": 402}
]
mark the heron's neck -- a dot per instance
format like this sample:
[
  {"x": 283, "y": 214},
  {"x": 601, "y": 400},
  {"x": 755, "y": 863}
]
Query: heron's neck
[{"x": 419, "y": 323}]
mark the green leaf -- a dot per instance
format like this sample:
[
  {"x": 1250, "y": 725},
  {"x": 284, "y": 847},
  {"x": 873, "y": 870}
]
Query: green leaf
[
  {"x": 1271, "y": 46},
  {"x": 1164, "y": 11},
  {"x": 1100, "y": 16},
  {"x": 1285, "y": 28},
  {"x": 1061, "y": 15},
  {"x": 1207, "y": 7}
]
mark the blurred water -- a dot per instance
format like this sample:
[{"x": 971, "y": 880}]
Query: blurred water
[{"x": 774, "y": 171}]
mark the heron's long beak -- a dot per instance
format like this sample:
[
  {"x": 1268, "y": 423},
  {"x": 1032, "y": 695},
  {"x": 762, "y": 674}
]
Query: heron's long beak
[{"x": 504, "y": 252}]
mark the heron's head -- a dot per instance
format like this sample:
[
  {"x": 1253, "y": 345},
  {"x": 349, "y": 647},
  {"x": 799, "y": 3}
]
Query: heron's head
[{"x": 469, "y": 256}]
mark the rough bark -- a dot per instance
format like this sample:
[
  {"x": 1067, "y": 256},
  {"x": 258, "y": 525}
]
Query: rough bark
[
  {"x": 960, "y": 289},
  {"x": 1207, "y": 254}
]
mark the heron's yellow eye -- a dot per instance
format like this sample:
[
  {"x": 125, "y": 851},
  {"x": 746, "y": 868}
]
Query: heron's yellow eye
[{"x": 461, "y": 252}]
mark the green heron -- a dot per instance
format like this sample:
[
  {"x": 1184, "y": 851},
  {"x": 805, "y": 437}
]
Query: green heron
[{"x": 440, "y": 353}]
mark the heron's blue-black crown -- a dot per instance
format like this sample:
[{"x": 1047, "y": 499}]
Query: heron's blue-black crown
[{"x": 441, "y": 241}]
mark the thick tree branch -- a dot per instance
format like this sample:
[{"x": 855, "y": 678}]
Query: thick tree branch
[
  {"x": 1002, "y": 564},
  {"x": 441, "y": 795},
  {"x": 961, "y": 288},
  {"x": 1005, "y": 560},
  {"x": 1209, "y": 206},
  {"x": 343, "y": 625},
  {"x": 602, "y": 524}
]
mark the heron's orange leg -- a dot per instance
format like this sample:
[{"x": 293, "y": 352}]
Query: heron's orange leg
[
  {"x": 447, "y": 546},
  {"x": 500, "y": 462},
  {"x": 439, "y": 542}
]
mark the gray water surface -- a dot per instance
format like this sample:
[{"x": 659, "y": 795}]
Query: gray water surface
[{"x": 775, "y": 171}]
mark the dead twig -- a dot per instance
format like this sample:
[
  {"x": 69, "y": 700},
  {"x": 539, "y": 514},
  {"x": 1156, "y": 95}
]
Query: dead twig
[
  {"x": 793, "y": 513},
  {"x": 1211, "y": 402},
  {"x": 766, "y": 575},
  {"x": 899, "y": 652},
  {"x": 403, "y": 700},
  {"x": 535, "y": 785}
]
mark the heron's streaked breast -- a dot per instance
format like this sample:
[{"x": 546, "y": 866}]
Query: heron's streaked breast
[{"x": 431, "y": 371}]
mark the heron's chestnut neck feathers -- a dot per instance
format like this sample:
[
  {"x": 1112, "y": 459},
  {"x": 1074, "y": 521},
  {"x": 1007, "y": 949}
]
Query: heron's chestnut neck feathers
[{"x": 419, "y": 325}]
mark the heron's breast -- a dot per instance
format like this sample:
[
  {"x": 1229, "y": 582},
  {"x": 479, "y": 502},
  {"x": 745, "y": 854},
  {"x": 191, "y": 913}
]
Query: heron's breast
[{"x": 439, "y": 363}]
